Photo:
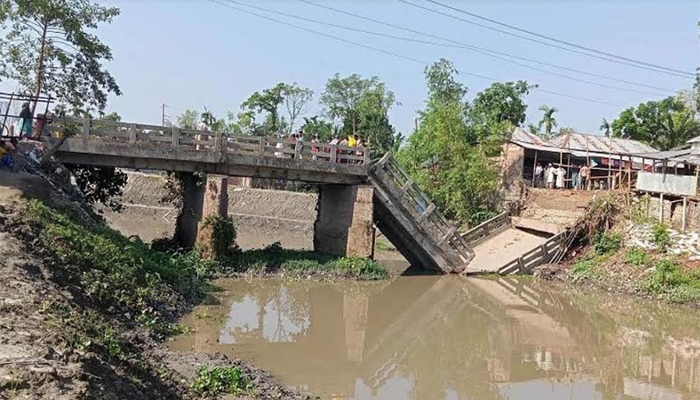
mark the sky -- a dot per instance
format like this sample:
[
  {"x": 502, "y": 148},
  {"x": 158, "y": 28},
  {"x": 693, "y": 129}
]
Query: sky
[{"x": 196, "y": 53}]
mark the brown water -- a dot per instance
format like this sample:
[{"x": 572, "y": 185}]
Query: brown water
[{"x": 448, "y": 337}]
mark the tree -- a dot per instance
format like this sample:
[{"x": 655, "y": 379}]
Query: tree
[
  {"x": 443, "y": 155},
  {"x": 566, "y": 130},
  {"x": 268, "y": 101},
  {"x": 317, "y": 126},
  {"x": 663, "y": 124},
  {"x": 49, "y": 48},
  {"x": 605, "y": 127},
  {"x": 548, "y": 121},
  {"x": 501, "y": 102},
  {"x": 295, "y": 100},
  {"x": 100, "y": 184},
  {"x": 348, "y": 99},
  {"x": 188, "y": 119},
  {"x": 534, "y": 129}
]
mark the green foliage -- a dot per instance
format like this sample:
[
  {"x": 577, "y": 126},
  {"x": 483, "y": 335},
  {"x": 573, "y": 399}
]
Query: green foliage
[
  {"x": 50, "y": 48},
  {"x": 363, "y": 106},
  {"x": 607, "y": 243},
  {"x": 114, "y": 271},
  {"x": 274, "y": 259},
  {"x": 661, "y": 237},
  {"x": 663, "y": 124},
  {"x": 217, "y": 239},
  {"x": 103, "y": 185},
  {"x": 315, "y": 126},
  {"x": 188, "y": 119},
  {"x": 448, "y": 154},
  {"x": 637, "y": 257},
  {"x": 548, "y": 121},
  {"x": 501, "y": 102},
  {"x": 213, "y": 381},
  {"x": 584, "y": 267}
]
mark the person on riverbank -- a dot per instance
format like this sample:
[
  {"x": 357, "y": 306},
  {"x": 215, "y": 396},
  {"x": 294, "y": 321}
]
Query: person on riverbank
[
  {"x": 585, "y": 175},
  {"x": 550, "y": 176},
  {"x": 25, "y": 121},
  {"x": 561, "y": 175},
  {"x": 538, "y": 176},
  {"x": 575, "y": 176}
]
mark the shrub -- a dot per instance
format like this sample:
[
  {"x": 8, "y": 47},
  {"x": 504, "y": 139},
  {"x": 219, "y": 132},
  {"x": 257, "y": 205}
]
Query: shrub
[
  {"x": 662, "y": 239},
  {"x": 231, "y": 380},
  {"x": 607, "y": 243},
  {"x": 217, "y": 238},
  {"x": 668, "y": 273},
  {"x": 637, "y": 257},
  {"x": 583, "y": 267}
]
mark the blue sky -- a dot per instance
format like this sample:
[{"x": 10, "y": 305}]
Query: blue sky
[{"x": 194, "y": 53}]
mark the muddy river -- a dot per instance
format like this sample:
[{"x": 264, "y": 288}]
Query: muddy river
[{"x": 422, "y": 337}]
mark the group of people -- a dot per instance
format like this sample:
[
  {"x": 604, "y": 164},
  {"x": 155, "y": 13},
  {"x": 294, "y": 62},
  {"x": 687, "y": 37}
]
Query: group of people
[
  {"x": 554, "y": 176},
  {"x": 299, "y": 140}
]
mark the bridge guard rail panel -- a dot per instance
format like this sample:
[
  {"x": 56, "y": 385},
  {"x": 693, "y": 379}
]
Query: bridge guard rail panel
[{"x": 412, "y": 222}]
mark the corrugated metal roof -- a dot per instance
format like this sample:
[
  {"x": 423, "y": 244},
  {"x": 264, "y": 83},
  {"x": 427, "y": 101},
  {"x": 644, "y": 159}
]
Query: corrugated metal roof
[
  {"x": 529, "y": 140},
  {"x": 601, "y": 144}
]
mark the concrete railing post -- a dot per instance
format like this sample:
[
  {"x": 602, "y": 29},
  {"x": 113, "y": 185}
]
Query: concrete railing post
[
  {"x": 86, "y": 131},
  {"x": 176, "y": 136},
  {"x": 334, "y": 154},
  {"x": 297, "y": 150},
  {"x": 261, "y": 148},
  {"x": 132, "y": 133},
  {"x": 368, "y": 155}
]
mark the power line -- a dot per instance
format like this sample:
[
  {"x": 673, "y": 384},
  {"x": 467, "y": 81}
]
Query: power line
[
  {"x": 422, "y": 62},
  {"x": 682, "y": 75},
  {"x": 465, "y": 45},
  {"x": 493, "y": 21}
]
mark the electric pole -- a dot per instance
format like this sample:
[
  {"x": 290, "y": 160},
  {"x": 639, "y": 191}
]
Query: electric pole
[{"x": 164, "y": 117}]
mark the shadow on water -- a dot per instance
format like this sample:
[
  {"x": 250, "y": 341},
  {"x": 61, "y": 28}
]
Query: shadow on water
[{"x": 447, "y": 337}]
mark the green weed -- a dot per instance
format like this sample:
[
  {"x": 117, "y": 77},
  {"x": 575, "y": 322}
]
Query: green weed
[
  {"x": 637, "y": 257},
  {"x": 661, "y": 237},
  {"x": 671, "y": 282},
  {"x": 232, "y": 380},
  {"x": 607, "y": 243}
]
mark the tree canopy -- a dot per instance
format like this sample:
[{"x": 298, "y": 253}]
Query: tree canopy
[
  {"x": 548, "y": 122},
  {"x": 448, "y": 154},
  {"x": 663, "y": 124},
  {"x": 49, "y": 49}
]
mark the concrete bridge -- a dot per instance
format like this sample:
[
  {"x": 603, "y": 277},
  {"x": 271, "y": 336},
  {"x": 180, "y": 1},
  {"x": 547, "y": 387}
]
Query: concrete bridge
[{"x": 354, "y": 192}]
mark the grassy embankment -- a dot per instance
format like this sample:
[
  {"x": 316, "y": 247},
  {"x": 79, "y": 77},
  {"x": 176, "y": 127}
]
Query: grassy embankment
[
  {"x": 653, "y": 272},
  {"x": 121, "y": 284}
]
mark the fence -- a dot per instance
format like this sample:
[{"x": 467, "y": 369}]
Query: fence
[
  {"x": 189, "y": 139},
  {"x": 536, "y": 257}
]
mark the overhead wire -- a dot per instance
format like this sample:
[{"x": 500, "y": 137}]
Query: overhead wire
[
  {"x": 437, "y": 44},
  {"x": 681, "y": 74},
  {"x": 386, "y": 52},
  {"x": 553, "y": 39},
  {"x": 483, "y": 49}
]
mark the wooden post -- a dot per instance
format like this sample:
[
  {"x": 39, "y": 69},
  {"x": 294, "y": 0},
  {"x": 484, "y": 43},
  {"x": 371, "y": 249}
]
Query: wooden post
[
  {"x": 86, "y": 131},
  {"x": 630, "y": 166},
  {"x": 568, "y": 171},
  {"x": 176, "y": 136},
  {"x": 697, "y": 178},
  {"x": 534, "y": 167},
  {"x": 619, "y": 178},
  {"x": 132, "y": 133},
  {"x": 685, "y": 214},
  {"x": 661, "y": 208}
]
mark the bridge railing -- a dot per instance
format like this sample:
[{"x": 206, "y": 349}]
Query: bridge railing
[
  {"x": 195, "y": 140},
  {"x": 442, "y": 233}
]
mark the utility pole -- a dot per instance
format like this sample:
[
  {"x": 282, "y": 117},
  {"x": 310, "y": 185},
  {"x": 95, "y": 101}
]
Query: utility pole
[{"x": 163, "y": 115}]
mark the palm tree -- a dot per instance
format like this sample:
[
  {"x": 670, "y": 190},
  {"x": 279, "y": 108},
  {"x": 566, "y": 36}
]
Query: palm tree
[
  {"x": 548, "y": 120},
  {"x": 605, "y": 127},
  {"x": 534, "y": 129},
  {"x": 677, "y": 129}
]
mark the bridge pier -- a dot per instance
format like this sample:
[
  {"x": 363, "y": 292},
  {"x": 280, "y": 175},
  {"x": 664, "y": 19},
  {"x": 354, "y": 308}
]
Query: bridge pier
[
  {"x": 344, "y": 225},
  {"x": 199, "y": 200}
]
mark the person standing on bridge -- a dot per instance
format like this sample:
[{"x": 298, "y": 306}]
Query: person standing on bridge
[
  {"x": 561, "y": 174},
  {"x": 585, "y": 175}
]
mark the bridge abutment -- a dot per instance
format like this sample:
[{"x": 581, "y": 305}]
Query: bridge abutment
[{"x": 344, "y": 225}]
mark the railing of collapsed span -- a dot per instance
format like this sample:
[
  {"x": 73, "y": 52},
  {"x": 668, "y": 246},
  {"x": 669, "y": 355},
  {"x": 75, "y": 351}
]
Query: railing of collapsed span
[
  {"x": 423, "y": 211},
  {"x": 536, "y": 257},
  {"x": 189, "y": 139},
  {"x": 487, "y": 228}
]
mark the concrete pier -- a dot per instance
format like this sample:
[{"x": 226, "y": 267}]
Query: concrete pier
[
  {"x": 192, "y": 206},
  {"x": 344, "y": 225}
]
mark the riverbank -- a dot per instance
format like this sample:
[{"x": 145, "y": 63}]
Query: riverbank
[
  {"x": 621, "y": 249},
  {"x": 84, "y": 309}
]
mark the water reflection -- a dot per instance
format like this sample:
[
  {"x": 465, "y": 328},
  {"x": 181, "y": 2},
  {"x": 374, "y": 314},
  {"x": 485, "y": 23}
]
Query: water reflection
[{"x": 448, "y": 338}]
